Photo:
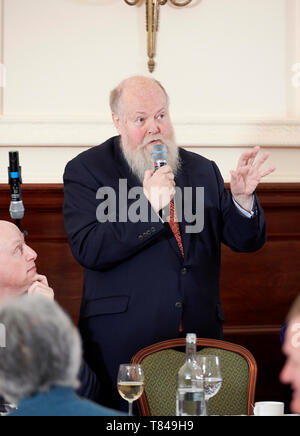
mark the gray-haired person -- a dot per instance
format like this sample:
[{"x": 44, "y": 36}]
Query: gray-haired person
[
  {"x": 19, "y": 276},
  {"x": 40, "y": 362}
]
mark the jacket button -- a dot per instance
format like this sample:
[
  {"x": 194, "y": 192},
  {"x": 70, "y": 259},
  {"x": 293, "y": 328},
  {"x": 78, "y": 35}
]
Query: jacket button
[
  {"x": 153, "y": 230},
  {"x": 178, "y": 305},
  {"x": 141, "y": 237},
  {"x": 184, "y": 271}
]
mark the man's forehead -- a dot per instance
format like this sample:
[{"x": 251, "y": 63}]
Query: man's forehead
[
  {"x": 292, "y": 342},
  {"x": 9, "y": 234},
  {"x": 145, "y": 110},
  {"x": 294, "y": 325},
  {"x": 143, "y": 106},
  {"x": 142, "y": 92}
]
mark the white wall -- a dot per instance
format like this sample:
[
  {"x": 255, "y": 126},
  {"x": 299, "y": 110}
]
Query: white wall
[{"x": 227, "y": 65}]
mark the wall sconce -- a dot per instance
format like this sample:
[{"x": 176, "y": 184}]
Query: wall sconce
[{"x": 152, "y": 16}]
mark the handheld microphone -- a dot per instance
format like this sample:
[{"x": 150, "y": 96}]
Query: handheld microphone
[
  {"x": 159, "y": 155},
  {"x": 15, "y": 180}
]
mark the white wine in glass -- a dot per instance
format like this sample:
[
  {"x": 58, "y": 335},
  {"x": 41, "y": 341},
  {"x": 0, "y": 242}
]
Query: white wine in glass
[{"x": 130, "y": 383}]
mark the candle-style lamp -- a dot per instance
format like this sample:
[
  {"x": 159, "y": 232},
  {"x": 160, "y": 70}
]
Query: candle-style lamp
[{"x": 152, "y": 20}]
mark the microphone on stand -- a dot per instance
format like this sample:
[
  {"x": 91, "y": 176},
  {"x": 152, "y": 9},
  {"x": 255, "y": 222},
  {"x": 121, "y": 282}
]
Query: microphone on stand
[{"x": 16, "y": 208}]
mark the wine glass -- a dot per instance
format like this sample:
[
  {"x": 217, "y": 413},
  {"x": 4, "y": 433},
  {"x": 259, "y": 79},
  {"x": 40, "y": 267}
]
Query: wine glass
[
  {"x": 130, "y": 383},
  {"x": 212, "y": 375}
]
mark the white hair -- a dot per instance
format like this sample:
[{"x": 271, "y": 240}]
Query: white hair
[{"x": 43, "y": 348}]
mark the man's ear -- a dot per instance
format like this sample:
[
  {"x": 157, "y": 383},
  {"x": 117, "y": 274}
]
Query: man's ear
[{"x": 117, "y": 122}]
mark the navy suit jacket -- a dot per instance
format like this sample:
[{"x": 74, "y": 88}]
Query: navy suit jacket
[
  {"x": 89, "y": 383},
  {"x": 2, "y": 408},
  {"x": 137, "y": 286}
]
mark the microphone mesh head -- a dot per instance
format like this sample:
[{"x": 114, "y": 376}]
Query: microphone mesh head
[
  {"x": 16, "y": 210},
  {"x": 159, "y": 153}
]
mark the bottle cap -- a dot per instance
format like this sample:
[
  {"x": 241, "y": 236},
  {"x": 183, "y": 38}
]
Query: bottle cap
[{"x": 191, "y": 338}]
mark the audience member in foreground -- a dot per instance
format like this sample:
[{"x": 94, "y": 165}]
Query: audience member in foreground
[
  {"x": 290, "y": 374},
  {"x": 41, "y": 360},
  {"x": 19, "y": 276},
  {"x": 18, "y": 272}
]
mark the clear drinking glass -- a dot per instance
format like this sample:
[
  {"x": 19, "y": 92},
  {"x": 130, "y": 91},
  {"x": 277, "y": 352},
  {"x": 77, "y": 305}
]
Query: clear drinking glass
[
  {"x": 130, "y": 383},
  {"x": 212, "y": 375}
]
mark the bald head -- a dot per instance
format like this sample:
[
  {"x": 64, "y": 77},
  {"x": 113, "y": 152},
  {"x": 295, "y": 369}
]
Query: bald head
[
  {"x": 8, "y": 232},
  {"x": 135, "y": 86},
  {"x": 17, "y": 262}
]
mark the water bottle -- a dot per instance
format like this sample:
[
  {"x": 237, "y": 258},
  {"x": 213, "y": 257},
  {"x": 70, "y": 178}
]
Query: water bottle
[{"x": 190, "y": 399}]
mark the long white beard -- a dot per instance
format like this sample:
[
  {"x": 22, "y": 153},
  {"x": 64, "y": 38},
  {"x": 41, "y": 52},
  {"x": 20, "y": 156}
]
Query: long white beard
[{"x": 140, "y": 160}]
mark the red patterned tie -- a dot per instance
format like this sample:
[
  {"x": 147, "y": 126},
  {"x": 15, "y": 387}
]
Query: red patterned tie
[
  {"x": 175, "y": 226},
  {"x": 176, "y": 230}
]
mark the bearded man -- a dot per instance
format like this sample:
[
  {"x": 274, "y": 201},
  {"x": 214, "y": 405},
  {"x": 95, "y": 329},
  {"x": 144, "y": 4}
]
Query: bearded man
[{"x": 154, "y": 279}]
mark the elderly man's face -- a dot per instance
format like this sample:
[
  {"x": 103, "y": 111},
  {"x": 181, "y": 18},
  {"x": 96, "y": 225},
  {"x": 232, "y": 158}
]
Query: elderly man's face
[
  {"x": 145, "y": 116},
  {"x": 290, "y": 374},
  {"x": 17, "y": 262}
]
